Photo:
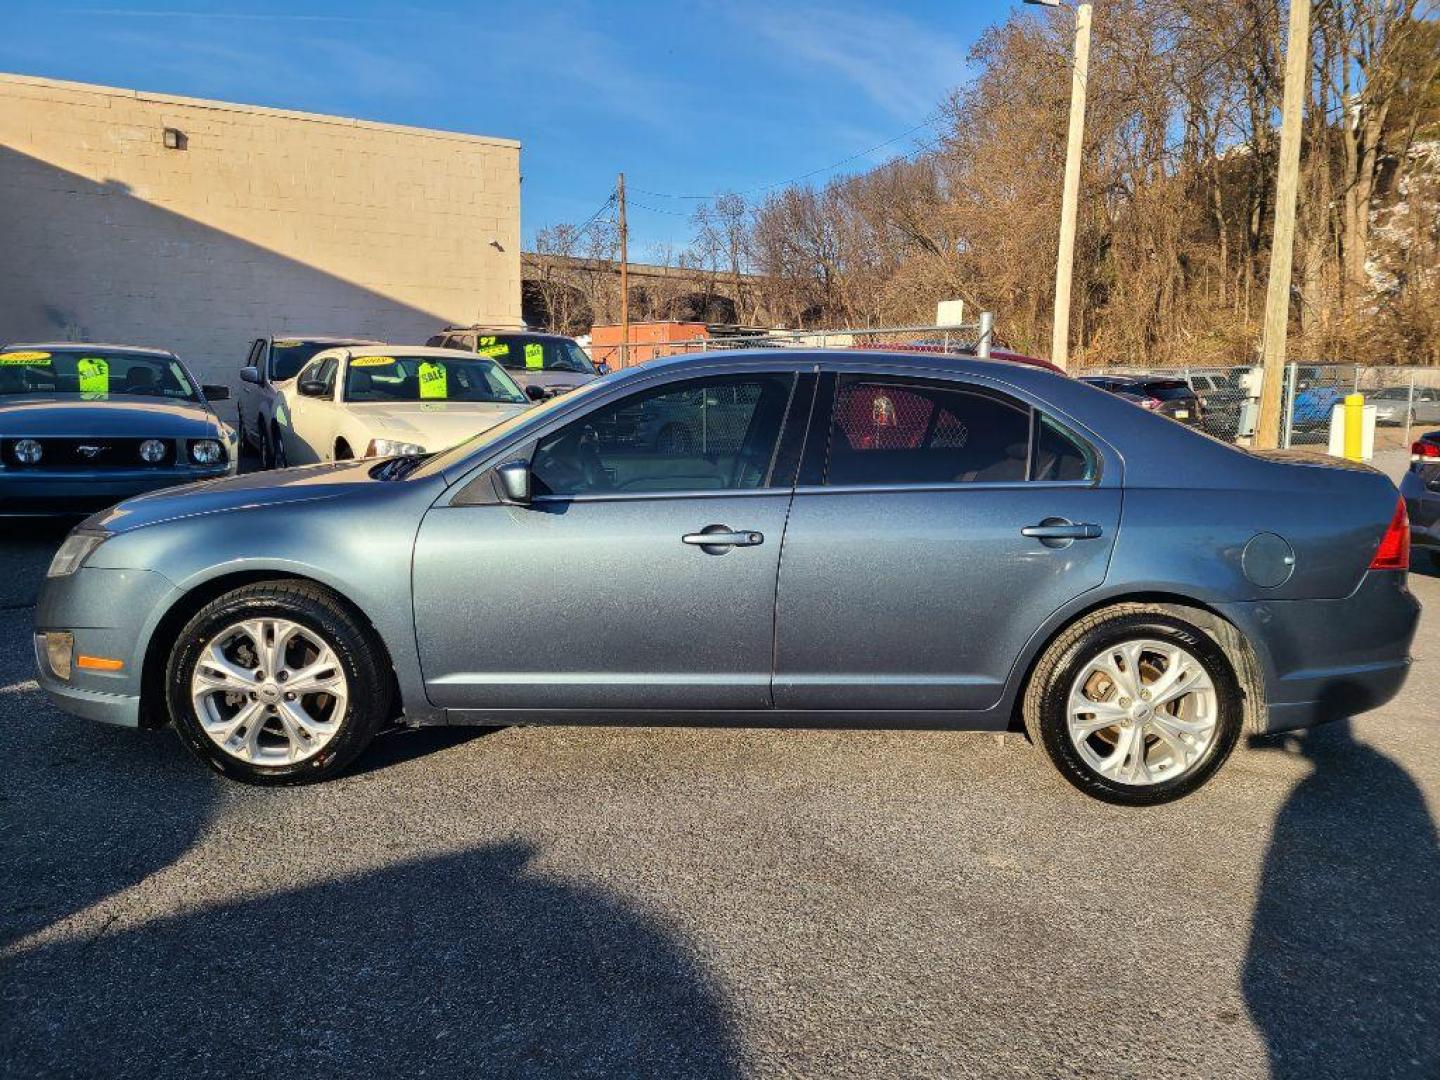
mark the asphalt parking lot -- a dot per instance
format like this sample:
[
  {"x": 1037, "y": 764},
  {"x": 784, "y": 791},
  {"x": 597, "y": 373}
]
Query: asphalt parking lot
[{"x": 698, "y": 903}]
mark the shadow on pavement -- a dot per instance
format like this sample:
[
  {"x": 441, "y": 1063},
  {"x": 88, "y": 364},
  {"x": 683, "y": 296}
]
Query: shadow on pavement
[
  {"x": 398, "y": 745},
  {"x": 1341, "y": 973},
  {"x": 462, "y": 965},
  {"x": 29, "y": 545}
]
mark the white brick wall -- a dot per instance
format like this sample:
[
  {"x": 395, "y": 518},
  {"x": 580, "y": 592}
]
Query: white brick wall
[{"x": 268, "y": 221}]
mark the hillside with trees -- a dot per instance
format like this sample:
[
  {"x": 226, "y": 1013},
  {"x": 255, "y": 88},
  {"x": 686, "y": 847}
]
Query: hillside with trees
[{"x": 1176, "y": 194}]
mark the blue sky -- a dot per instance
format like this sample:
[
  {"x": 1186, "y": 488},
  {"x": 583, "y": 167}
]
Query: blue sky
[{"x": 687, "y": 98}]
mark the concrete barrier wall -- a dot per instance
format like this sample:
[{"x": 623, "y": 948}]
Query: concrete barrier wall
[{"x": 265, "y": 221}]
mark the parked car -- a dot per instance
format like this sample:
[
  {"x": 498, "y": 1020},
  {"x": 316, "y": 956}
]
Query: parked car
[
  {"x": 1221, "y": 402},
  {"x": 1421, "y": 488},
  {"x": 965, "y": 543},
  {"x": 543, "y": 364},
  {"x": 1164, "y": 396},
  {"x": 271, "y": 362},
  {"x": 86, "y": 425},
  {"x": 1402, "y": 405},
  {"x": 381, "y": 400}
]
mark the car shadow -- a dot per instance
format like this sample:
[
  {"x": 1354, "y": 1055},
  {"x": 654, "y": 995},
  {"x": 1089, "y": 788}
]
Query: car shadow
[
  {"x": 470, "y": 964},
  {"x": 1340, "y": 976},
  {"x": 29, "y": 545},
  {"x": 397, "y": 745}
]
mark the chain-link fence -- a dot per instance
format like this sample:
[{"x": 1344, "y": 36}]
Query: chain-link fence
[
  {"x": 1225, "y": 401},
  {"x": 1222, "y": 401}
]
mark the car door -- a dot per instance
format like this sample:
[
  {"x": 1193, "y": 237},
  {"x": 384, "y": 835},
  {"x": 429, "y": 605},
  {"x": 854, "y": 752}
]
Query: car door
[
  {"x": 934, "y": 529},
  {"x": 248, "y": 403},
  {"x": 637, "y": 578},
  {"x": 311, "y": 418}
]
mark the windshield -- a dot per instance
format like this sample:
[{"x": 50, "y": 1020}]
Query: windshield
[
  {"x": 430, "y": 378},
  {"x": 525, "y": 352},
  {"x": 93, "y": 373},
  {"x": 287, "y": 357},
  {"x": 1166, "y": 389}
]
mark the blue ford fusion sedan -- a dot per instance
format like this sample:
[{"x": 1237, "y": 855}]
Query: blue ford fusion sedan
[
  {"x": 83, "y": 426},
  {"x": 839, "y": 539}
]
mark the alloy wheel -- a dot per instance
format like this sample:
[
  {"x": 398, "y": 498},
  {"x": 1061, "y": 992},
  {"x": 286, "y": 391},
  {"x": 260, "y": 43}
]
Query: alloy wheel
[
  {"x": 1142, "y": 712},
  {"x": 269, "y": 691}
]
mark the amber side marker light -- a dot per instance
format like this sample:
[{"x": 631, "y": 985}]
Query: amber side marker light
[{"x": 98, "y": 663}]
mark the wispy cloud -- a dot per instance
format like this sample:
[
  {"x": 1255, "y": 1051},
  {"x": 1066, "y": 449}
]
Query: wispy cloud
[
  {"x": 899, "y": 63},
  {"x": 233, "y": 16}
]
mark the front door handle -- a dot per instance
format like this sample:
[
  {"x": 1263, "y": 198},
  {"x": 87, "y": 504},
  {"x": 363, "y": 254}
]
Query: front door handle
[
  {"x": 718, "y": 539},
  {"x": 1060, "y": 529}
]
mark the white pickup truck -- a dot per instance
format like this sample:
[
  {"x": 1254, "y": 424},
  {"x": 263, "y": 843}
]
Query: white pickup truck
[{"x": 272, "y": 360}]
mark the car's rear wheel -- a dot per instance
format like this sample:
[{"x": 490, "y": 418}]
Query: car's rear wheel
[
  {"x": 277, "y": 683},
  {"x": 1135, "y": 705}
]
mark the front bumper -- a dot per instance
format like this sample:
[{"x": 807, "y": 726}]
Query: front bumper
[
  {"x": 53, "y": 492},
  {"x": 1324, "y": 660},
  {"x": 111, "y": 613}
]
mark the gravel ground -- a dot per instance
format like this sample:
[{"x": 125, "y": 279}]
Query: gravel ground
[{"x": 696, "y": 903}]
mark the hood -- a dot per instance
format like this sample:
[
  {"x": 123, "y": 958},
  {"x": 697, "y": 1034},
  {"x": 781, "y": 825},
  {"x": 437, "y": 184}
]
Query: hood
[
  {"x": 116, "y": 416},
  {"x": 434, "y": 425},
  {"x": 305, "y": 484},
  {"x": 565, "y": 380}
]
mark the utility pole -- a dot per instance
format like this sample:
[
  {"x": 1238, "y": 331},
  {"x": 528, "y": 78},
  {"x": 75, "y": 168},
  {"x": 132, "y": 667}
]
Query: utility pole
[
  {"x": 624, "y": 277},
  {"x": 1282, "y": 241},
  {"x": 1070, "y": 199}
]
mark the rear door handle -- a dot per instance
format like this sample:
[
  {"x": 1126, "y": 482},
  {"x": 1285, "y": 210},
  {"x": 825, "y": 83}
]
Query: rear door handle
[
  {"x": 721, "y": 537},
  {"x": 1053, "y": 529}
]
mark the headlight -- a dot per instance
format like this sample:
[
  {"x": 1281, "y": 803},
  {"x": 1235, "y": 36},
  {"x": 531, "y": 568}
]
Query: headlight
[
  {"x": 73, "y": 553},
  {"x": 392, "y": 448},
  {"x": 152, "y": 450},
  {"x": 206, "y": 452},
  {"x": 28, "y": 451}
]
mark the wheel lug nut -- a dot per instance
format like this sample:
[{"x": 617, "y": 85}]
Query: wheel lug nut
[
  {"x": 289, "y": 697},
  {"x": 281, "y": 676},
  {"x": 1144, "y": 695},
  {"x": 260, "y": 675},
  {"x": 1124, "y": 702}
]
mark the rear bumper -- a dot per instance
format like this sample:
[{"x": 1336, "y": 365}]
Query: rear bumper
[
  {"x": 1324, "y": 660},
  {"x": 1423, "y": 506},
  {"x": 41, "y": 493}
]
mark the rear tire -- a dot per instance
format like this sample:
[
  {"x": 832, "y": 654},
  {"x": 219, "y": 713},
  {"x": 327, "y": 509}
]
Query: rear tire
[
  {"x": 261, "y": 733},
  {"x": 1150, "y": 753}
]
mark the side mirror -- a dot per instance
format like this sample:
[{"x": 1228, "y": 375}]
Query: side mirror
[
  {"x": 514, "y": 477},
  {"x": 602, "y": 368},
  {"x": 536, "y": 393},
  {"x": 312, "y": 388},
  {"x": 250, "y": 375},
  {"x": 216, "y": 392}
]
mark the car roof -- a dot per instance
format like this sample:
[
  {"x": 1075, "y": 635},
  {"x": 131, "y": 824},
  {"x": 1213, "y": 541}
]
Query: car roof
[
  {"x": 322, "y": 339},
  {"x": 81, "y": 346},
  {"x": 377, "y": 348},
  {"x": 497, "y": 330}
]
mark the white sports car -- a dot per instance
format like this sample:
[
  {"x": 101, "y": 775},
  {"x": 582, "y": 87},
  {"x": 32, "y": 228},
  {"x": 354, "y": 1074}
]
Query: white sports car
[{"x": 383, "y": 400}]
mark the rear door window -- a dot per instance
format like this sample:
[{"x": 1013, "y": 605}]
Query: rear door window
[{"x": 902, "y": 431}]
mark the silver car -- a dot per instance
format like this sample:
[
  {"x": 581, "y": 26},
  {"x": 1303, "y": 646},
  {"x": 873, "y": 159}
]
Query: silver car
[
  {"x": 1404, "y": 404},
  {"x": 842, "y": 539}
]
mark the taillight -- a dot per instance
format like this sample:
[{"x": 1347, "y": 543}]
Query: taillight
[
  {"x": 1425, "y": 451},
  {"x": 1150, "y": 403},
  {"x": 1394, "y": 550}
]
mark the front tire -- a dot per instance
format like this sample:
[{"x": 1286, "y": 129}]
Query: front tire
[
  {"x": 1135, "y": 705},
  {"x": 277, "y": 683}
]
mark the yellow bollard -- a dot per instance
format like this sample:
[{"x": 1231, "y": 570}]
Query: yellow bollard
[{"x": 1354, "y": 426}]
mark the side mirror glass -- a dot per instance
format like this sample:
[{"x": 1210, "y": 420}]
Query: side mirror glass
[
  {"x": 250, "y": 375},
  {"x": 536, "y": 393},
  {"x": 215, "y": 392},
  {"x": 514, "y": 477},
  {"x": 312, "y": 388}
]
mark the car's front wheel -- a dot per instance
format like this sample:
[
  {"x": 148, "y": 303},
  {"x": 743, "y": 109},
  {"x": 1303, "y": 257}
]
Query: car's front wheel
[
  {"x": 277, "y": 683},
  {"x": 1135, "y": 705}
]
